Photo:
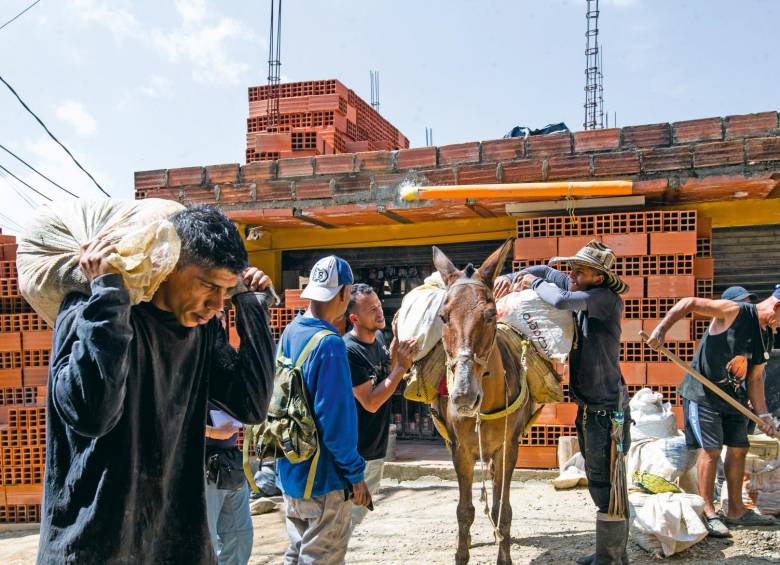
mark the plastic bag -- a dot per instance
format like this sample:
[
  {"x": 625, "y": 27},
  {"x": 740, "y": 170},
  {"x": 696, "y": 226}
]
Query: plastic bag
[
  {"x": 49, "y": 250},
  {"x": 667, "y": 523},
  {"x": 418, "y": 317},
  {"x": 550, "y": 330}
]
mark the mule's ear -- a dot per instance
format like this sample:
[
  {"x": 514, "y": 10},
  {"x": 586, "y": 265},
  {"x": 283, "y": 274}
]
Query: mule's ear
[
  {"x": 446, "y": 269},
  {"x": 492, "y": 265}
]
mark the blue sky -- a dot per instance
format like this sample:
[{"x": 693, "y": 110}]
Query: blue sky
[{"x": 160, "y": 84}]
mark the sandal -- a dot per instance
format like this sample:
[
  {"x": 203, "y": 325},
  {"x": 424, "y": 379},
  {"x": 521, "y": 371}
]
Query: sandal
[
  {"x": 751, "y": 518},
  {"x": 716, "y": 527}
]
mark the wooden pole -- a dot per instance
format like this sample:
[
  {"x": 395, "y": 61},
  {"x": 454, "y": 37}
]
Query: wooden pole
[{"x": 706, "y": 382}]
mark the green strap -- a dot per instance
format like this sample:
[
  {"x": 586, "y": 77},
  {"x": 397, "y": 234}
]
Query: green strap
[
  {"x": 250, "y": 431},
  {"x": 312, "y": 473},
  {"x": 304, "y": 355},
  {"x": 313, "y": 342}
]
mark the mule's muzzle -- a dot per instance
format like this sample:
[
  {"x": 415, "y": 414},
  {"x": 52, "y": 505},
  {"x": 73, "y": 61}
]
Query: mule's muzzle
[{"x": 465, "y": 390}]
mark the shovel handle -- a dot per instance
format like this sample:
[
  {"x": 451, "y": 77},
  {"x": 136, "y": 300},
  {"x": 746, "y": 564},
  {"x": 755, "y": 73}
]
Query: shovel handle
[{"x": 705, "y": 381}]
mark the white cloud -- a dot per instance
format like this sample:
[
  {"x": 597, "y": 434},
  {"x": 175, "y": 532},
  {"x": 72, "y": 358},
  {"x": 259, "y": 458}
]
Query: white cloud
[
  {"x": 202, "y": 39},
  {"x": 191, "y": 11},
  {"x": 120, "y": 22},
  {"x": 205, "y": 50},
  {"x": 205, "y": 47},
  {"x": 157, "y": 87},
  {"x": 73, "y": 113}
]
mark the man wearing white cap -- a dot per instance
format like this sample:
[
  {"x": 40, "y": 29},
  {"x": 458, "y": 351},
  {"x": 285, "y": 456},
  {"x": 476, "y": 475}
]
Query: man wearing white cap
[{"x": 318, "y": 527}]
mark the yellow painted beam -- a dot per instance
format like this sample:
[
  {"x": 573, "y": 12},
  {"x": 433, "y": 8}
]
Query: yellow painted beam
[
  {"x": 449, "y": 231},
  {"x": 734, "y": 213}
]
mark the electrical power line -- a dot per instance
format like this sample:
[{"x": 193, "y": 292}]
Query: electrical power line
[
  {"x": 26, "y": 107},
  {"x": 19, "y": 14},
  {"x": 35, "y": 190},
  {"x": 29, "y": 166},
  {"x": 26, "y": 199},
  {"x": 11, "y": 221}
]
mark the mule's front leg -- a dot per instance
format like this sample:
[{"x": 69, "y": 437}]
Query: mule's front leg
[
  {"x": 502, "y": 495},
  {"x": 464, "y": 467}
]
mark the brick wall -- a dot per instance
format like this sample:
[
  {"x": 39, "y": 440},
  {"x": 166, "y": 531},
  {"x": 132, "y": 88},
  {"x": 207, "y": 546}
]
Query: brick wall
[{"x": 694, "y": 160}]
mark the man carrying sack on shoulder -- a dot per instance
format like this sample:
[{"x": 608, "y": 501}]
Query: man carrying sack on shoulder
[
  {"x": 592, "y": 292},
  {"x": 734, "y": 350}
]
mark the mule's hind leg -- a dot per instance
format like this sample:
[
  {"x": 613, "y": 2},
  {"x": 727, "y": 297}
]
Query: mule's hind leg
[
  {"x": 464, "y": 467},
  {"x": 505, "y": 526}
]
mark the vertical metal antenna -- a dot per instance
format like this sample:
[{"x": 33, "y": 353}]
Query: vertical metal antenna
[
  {"x": 374, "y": 89},
  {"x": 274, "y": 65},
  {"x": 594, "y": 86}
]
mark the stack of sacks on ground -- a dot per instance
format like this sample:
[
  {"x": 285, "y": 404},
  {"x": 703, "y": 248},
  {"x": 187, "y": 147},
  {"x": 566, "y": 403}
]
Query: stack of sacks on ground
[
  {"x": 761, "y": 489},
  {"x": 664, "y": 521},
  {"x": 657, "y": 446}
]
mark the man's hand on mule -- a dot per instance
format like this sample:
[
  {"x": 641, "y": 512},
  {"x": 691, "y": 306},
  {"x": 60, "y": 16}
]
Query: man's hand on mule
[
  {"x": 404, "y": 353},
  {"x": 94, "y": 258},
  {"x": 255, "y": 279},
  {"x": 501, "y": 287},
  {"x": 527, "y": 282}
]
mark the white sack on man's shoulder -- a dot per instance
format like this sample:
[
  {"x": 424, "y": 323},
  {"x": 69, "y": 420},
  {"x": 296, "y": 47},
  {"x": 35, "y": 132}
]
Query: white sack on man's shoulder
[{"x": 48, "y": 256}]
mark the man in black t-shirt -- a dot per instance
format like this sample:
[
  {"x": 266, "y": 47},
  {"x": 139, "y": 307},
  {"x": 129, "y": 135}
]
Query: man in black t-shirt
[
  {"x": 376, "y": 373},
  {"x": 735, "y": 347}
]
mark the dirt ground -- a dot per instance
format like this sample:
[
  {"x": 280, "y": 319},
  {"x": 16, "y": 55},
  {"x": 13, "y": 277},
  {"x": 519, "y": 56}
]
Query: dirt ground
[{"x": 414, "y": 522}]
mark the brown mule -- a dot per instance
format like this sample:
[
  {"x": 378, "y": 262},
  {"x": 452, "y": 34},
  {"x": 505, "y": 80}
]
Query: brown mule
[{"x": 484, "y": 381}]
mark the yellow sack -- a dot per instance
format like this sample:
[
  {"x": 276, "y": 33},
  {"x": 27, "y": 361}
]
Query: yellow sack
[
  {"x": 48, "y": 256},
  {"x": 544, "y": 383},
  {"x": 425, "y": 374}
]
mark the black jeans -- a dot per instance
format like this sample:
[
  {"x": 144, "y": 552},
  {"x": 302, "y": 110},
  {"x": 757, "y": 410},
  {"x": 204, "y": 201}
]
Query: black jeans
[{"x": 593, "y": 434}]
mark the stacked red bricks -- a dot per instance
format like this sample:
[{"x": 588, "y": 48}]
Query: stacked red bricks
[
  {"x": 663, "y": 256},
  {"x": 25, "y": 343},
  {"x": 314, "y": 118}
]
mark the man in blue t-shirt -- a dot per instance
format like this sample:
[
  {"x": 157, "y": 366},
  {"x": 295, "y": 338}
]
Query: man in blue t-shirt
[
  {"x": 592, "y": 292},
  {"x": 319, "y": 527}
]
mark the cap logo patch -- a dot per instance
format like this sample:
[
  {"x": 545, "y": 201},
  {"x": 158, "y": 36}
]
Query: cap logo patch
[{"x": 319, "y": 275}]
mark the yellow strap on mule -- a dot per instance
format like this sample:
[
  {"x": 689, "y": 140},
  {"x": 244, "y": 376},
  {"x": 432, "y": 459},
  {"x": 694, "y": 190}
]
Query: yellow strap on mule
[{"x": 507, "y": 411}]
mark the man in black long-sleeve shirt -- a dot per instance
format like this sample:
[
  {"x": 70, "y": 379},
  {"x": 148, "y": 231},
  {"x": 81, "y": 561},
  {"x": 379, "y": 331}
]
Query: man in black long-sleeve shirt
[
  {"x": 591, "y": 291},
  {"x": 127, "y": 396}
]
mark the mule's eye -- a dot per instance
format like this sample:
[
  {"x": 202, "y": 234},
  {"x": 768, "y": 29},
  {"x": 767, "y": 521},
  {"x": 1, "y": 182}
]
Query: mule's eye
[
  {"x": 490, "y": 314},
  {"x": 444, "y": 317}
]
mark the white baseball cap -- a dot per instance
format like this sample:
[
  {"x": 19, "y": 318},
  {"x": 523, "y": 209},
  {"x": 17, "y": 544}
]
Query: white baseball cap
[{"x": 327, "y": 277}]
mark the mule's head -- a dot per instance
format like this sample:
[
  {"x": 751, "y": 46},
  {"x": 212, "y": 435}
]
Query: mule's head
[{"x": 469, "y": 316}]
